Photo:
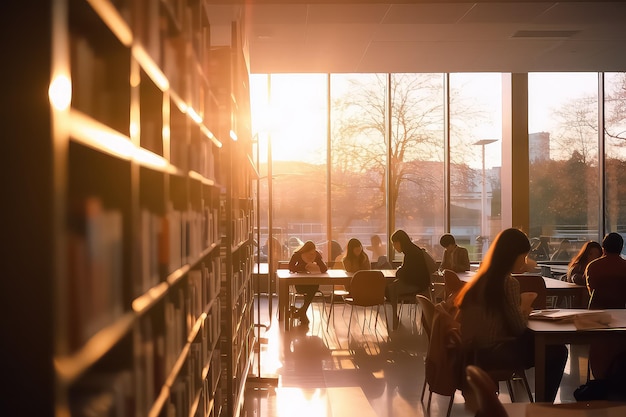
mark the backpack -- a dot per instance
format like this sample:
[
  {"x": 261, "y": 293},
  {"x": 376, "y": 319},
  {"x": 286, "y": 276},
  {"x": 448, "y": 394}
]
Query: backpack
[{"x": 443, "y": 366}]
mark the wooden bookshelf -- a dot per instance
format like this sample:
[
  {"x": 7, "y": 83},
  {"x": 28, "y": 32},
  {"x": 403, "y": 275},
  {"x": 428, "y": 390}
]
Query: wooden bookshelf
[{"x": 131, "y": 283}]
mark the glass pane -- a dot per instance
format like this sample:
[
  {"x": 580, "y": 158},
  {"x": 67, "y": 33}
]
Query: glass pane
[
  {"x": 358, "y": 160},
  {"x": 416, "y": 194},
  {"x": 298, "y": 135},
  {"x": 615, "y": 137},
  {"x": 475, "y": 160},
  {"x": 563, "y": 141}
]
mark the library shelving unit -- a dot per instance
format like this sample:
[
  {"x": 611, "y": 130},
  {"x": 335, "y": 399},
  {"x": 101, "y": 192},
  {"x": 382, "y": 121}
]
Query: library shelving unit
[{"x": 131, "y": 292}]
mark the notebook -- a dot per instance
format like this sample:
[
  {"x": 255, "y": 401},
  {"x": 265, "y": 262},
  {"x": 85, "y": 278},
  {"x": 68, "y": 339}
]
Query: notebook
[{"x": 564, "y": 314}]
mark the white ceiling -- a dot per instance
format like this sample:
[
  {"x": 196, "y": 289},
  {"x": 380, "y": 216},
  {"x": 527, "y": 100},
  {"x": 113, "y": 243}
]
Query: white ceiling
[{"x": 366, "y": 36}]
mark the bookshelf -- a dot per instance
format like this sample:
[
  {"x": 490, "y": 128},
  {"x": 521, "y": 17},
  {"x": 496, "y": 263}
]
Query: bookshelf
[{"x": 134, "y": 255}]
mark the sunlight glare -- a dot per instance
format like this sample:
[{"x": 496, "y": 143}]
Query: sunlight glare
[
  {"x": 60, "y": 92},
  {"x": 297, "y": 402}
]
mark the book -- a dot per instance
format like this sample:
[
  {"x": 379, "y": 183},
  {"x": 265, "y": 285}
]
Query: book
[{"x": 568, "y": 314}]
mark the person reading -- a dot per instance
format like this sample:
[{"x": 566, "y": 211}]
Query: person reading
[
  {"x": 493, "y": 319},
  {"x": 455, "y": 257}
]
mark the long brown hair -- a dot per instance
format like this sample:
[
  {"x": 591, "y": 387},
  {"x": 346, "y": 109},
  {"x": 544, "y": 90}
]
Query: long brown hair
[
  {"x": 582, "y": 257},
  {"x": 488, "y": 282}
]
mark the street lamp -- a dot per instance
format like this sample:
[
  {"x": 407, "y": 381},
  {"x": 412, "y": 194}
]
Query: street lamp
[{"x": 483, "y": 198}]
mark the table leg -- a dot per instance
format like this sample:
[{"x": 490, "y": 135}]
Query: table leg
[
  {"x": 540, "y": 367},
  {"x": 283, "y": 303}
]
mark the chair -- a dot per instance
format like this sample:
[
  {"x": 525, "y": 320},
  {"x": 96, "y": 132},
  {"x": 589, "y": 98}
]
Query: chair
[
  {"x": 294, "y": 296},
  {"x": 452, "y": 283},
  {"x": 443, "y": 365},
  {"x": 341, "y": 293},
  {"x": 367, "y": 289},
  {"x": 428, "y": 313},
  {"x": 508, "y": 375},
  {"x": 534, "y": 283},
  {"x": 484, "y": 392}
]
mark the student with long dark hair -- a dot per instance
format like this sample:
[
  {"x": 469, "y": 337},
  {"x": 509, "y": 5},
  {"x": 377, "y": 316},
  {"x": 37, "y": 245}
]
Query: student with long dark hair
[
  {"x": 576, "y": 269},
  {"x": 306, "y": 259},
  {"x": 491, "y": 316},
  {"x": 356, "y": 259}
]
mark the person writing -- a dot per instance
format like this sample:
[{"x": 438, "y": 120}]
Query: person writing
[
  {"x": 306, "y": 259},
  {"x": 377, "y": 248},
  {"x": 492, "y": 319},
  {"x": 576, "y": 269},
  {"x": 412, "y": 277},
  {"x": 455, "y": 257}
]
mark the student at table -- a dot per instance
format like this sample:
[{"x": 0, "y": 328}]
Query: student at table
[
  {"x": 562, "y": 253},
  {"x": 356, "y": 259},
  {"x": 455, "y": 257},
  {"x": 412, "y": 277},
  {"x": 492, "y": 319},
  {"x": 606, "y": 281},
  {"x": 576, "y": 269},
  {"x": 606, "y": 276},
  {"x": 306, "y": 259}
]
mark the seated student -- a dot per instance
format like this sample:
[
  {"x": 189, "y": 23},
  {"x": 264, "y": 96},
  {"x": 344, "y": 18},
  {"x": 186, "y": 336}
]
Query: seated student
[
  {"x": 377, "y": 247},
  {"x": 562, "y": 253},
  {"x": 492, "y": 319},
  {"x": 455, "y": 257},
  {"x": 576, "y": 269},
  {"x": 306, "y": 259},
  {"x": 606, "y": 276},
  {"x": 356, "y": 259},
  {"x": 606, "y": 281},
  {"x": 412, "y": 277}
]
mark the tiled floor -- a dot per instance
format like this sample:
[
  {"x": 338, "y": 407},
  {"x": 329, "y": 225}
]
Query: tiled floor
[{"x": 319, "y": 371}]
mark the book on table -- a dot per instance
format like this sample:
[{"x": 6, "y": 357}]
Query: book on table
[{"x": 569, "y": 314}]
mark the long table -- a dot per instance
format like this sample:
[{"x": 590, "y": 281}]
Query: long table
[
  {"x": 560, "y": 332},
  {"x": 554, "y": 287},
  {"x": 331, "y": 277}
]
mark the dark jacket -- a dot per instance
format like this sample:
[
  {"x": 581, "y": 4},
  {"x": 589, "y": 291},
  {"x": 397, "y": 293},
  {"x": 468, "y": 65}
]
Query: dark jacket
[
  {"x": 296, "y": 264},
  {"x": 413, "y": 270}
]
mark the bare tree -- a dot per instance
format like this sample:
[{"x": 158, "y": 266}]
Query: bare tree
[{"x": 359, "y": 127}]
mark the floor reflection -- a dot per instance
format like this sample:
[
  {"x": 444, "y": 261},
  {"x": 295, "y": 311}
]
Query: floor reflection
[{"x": 319, "y": 370}]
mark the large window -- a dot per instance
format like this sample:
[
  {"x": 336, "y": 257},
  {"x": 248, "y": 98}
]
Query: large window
[
  {"x": 358, "y": 159},
  {"x": 563, "y": 152},
  {"x": 475, "y": 160},
  {"x": 361, "y": 155},
  {"x": 295, "y": 122}
]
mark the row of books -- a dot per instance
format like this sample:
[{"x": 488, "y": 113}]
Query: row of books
[
  {"x": 157, "y": 352},
  {"x": 200, "y": 154},
  {"x": 241, "y": 226},
  {"x": 95, "y": 269},
  {"x": 104, "y": 394}
]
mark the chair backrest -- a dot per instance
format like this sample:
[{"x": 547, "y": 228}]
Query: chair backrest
[
  {"x": 428, "y": 313},
  {"x": 484, "y": 392},
  {"x": 367, "y": 288},
  {"x": 452, "y": 283},
  {"x": 443, "y": 366},
  {"x": 534, "y": 283}
]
